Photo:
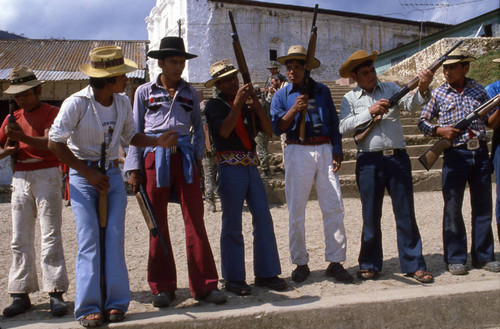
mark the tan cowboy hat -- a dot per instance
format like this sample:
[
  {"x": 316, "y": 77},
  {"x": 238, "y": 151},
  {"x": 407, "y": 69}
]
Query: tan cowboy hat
[
  {"x": 297, "y": 52},
  {"x": 219, "y": 70},
  {"x": 22, "y": 78},
  {"x": 458, "y": 56},
  {"x": 357, "y": 58},
  {"x": 171, "y": 46},
  {"x": 106, "y": 62}
]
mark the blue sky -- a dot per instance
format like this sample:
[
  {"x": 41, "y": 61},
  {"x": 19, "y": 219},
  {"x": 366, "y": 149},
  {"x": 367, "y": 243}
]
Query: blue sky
[{"x": 124, "y": 19}]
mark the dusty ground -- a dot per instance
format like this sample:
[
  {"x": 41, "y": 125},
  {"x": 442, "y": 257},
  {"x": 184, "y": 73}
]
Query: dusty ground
[{"x": 429, "y": 216}]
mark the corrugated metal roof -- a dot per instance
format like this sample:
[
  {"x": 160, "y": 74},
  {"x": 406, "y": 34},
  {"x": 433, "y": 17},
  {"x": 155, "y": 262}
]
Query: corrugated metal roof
[{"x": 55, "y": 60}]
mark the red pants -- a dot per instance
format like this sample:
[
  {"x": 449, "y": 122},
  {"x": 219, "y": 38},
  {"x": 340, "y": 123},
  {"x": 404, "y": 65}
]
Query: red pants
[{"x": 161, "y": 268}]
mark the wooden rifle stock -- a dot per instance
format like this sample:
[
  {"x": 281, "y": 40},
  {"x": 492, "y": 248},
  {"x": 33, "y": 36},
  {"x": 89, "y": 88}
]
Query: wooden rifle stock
[
  {"x": 306, "y": 79},
  {"x": 430, "y": 156},
  {"x": 149, "y": 217},
  {"x": 11, "y": 123},
  {"x": 242, "y": 64},
  {"x": 102, "y": 217},
  {"x": 362, "y": 131}
]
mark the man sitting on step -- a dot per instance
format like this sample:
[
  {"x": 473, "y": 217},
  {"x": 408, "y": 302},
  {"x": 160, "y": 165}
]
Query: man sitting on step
[{"x": 382, "y": 163}]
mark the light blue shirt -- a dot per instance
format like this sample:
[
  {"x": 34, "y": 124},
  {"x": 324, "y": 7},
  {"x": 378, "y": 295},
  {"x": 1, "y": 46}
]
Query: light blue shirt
[
  {"x": 155, "y": 113},
  {"x": 387, "y": 133}
]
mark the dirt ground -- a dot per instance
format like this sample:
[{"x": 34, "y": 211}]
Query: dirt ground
[{"x": 429, "y": 216}]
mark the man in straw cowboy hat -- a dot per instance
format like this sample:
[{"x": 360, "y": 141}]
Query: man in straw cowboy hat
[
  {"x": 169, "y": 103},
  {"x": 36, "y": 192},
  {"x": 230, "y": 124},
  {"x": 493, "y": 89},
  {"x": 465, "y": 162},
  {"x": 317, "y": 159},
  {"x": 96, "y": 116},
  {"x": 382, "y": 163}
]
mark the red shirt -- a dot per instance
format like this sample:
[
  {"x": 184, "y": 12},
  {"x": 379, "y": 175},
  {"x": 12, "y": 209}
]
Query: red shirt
[{"x": 33, "y": 124}]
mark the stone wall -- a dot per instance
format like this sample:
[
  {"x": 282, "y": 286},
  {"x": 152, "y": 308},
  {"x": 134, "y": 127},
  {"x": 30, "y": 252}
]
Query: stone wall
[{"x": 408, "y": 69}]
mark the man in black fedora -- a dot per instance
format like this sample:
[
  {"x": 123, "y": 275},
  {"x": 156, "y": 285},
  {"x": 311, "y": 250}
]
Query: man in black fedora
[{"x": 169, "y": 103}]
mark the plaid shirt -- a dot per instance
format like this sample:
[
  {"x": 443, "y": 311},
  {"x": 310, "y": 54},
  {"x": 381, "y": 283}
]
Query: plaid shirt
[{"x": 449, "y": 106}]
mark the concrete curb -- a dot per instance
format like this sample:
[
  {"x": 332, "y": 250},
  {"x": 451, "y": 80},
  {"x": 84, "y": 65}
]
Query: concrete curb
[{"x": 461, "y": 305}]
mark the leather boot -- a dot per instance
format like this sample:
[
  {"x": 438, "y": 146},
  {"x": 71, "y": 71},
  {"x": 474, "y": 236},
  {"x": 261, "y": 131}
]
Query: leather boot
[
  {"x": 57, "y": 305},
  {"x": 20, "y": 304}
]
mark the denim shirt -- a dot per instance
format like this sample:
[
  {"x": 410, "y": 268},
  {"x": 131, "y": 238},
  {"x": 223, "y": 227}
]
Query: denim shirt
[
  {"x": 285, "y": 98},
  {"x": 155, "y": 112}
]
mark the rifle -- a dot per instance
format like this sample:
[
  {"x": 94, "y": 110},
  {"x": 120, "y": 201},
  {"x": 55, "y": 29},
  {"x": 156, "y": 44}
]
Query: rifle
[
  {"x": 362, "y": 131},
  {"x": 11, "y": 123},
  {"x": 306, "y": 79},
  {"x": 429, "y": 157},
  {"x": 242, "y": 64},
  {"x": 149, "y": 217},
  {"x": 102, "y": 216}
]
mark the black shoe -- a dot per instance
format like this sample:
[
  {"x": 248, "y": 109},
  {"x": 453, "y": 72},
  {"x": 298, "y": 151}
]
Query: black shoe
[
  {"x": 457, "y": 269},
  {"x": 337, "y": 271},
  {"x": 215, "y": 297},
  {"x": 300, "y": 273},
  {"x": 163, "y": 299},
  {"x": 240, "y": 288},
  {"x": 20, "y": 304},
  {"x": 492, "y": 266},
  {"x": 273, "y": 283},
  {"x": 57, "y": 305}
]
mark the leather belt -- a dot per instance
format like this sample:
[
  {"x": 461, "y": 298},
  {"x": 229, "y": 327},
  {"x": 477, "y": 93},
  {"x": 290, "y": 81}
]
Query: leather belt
[
  {"x": 468, "y": 146},
  {"x": 387, "y": 152},
  {"x": 96, "y": 164},
  {"x": 313, "y": 140}
]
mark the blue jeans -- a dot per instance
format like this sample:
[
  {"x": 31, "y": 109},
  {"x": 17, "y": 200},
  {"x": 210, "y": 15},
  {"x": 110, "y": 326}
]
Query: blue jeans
[
  {"x": 374, "y": 174},
  {"x": 496, "y": 165},
  {"x": 460, "y": 167},
  {"x": 237, "y": 184},
  {"x": 87, "y": 272}
]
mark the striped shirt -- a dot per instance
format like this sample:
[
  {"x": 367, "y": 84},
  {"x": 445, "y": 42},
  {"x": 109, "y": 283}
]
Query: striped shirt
[
  {"x": 449, "y": 106},
  {"x": 79, "y": 126}
]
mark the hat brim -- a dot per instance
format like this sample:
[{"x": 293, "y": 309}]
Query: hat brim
[
  {"x": 211, "y": 82},
  {"x": 346, "y": 68},
  {"x": 169, "y": 52},
  {"x": 301, "y": 57},
  {"x": 22, "y": 87},
  {"x": 126, "y": 67},
  {"x": 496, "y": 60},
  {"x": 454, "y": 61}
]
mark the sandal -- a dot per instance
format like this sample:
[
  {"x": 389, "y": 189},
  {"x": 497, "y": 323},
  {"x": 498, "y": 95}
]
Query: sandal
[
  {"x": 91, "y": 320},
  {"x": 422, "y": 276},
  {"x": 115, "y": 315},
  {"x": 367, "y": 274}
]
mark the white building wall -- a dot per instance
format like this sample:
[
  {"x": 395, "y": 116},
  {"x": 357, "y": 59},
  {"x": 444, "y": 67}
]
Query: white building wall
[{"x": 207, "y": 32}]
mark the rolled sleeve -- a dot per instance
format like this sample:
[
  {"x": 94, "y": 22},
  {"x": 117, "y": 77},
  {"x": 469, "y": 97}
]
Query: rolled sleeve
[{"x": 66, "y": 120}]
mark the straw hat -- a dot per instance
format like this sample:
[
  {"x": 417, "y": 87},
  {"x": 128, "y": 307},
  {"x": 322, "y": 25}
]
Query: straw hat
[
  {"x": 496, "y": 60},
  {"x": 171, "y": 46},
  {"x": 273, "y": 65},
  {"x": 458, "y": 56},
  {"x": 22, "y": 78},
  {"x": 357, "y": 58},
  {"x": 299, "y": 53},
  {"x": 219, "y": 70},
  {"x": 106, "y": 62}
]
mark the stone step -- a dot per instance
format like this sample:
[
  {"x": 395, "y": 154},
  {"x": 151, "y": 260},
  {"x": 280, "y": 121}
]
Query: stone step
[{"x": 423, "y": 180}]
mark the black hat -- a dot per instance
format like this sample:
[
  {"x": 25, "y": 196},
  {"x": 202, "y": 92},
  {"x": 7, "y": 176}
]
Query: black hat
[{"x": 171, "y": 46}]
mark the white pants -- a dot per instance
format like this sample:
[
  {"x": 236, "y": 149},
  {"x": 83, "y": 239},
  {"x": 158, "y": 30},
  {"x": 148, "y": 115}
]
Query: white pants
[
  {"x": 35, "y": 194},
  {"x": 305, "y": 164}
]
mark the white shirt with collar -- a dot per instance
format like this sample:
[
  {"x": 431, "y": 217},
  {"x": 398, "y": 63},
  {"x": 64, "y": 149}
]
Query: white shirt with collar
[{"x": 79, "y": 126}]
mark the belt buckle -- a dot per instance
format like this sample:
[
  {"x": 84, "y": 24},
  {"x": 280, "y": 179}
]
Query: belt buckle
[
  {"x": 173, "y": 149},
  {"x": 473, "y": 144},
  {"x": 388, "y": 152}
]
